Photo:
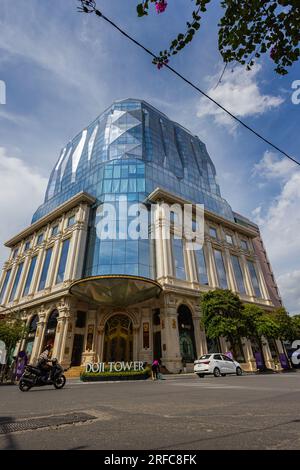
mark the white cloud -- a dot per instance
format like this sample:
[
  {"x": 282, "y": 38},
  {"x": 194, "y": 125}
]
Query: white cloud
[
  {"x": 290, "y": 290},
  {"x": 272, "y": 167},
  {"x": 21, "y": 192},
  {"x": 240, "y": 94},
  {"x": 280, "y": 227}
]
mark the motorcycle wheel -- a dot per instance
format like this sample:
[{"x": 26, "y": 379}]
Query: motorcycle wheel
[
  {"x": 59, "y": 382},
  {"x": 24, "y": 386}
]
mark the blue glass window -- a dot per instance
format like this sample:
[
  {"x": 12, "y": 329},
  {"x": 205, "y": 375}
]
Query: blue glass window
[
  {"x": 54, "y": 231},
  {"x": 29, "y": 276},
  {"x": 213, "y": 232},
  {"x": 254, "y": 279},
  {"x": 40, "y": 239},
  {"x": 178, "y": 258},
  {"x": 201, "y": 266},
  {"x": 43, "y": 277},
  {"x": 244, "y": 245},
  {"x": 71, "y": 220},
  {"x": 221, "y": 269},
  {"x": 4, "y": 286},
  {"x": 27, "y": 245},
  {"x": 63, "y": 261},
  {"x": 15, "y": 252},
  {"x": 16, "y": 282},
  {"x": 238, "y": 274}
]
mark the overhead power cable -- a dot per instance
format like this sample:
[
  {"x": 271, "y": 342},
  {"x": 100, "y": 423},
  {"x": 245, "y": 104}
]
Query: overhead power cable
[{"x": 100, "y": 14}]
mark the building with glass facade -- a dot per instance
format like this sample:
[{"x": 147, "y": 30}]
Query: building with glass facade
[{"x": 102, "y": 298}]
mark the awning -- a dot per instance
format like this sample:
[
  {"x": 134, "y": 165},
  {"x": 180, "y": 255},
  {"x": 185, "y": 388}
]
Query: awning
[{"x": 115, "y": 290}]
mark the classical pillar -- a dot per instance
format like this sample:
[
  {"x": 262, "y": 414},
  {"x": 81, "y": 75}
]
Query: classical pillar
[
  {"x": 146, "y": 336},
  {"x": 39, "y": 337},
  {"x": 247, "y": 278},
  {"x": 171, "y": 357},
  {"x": 100, "y": 349},
  {"x": 54, "y": 263},
  {"x": 158, "y": 243},
  {"x": 267, "y": 353},
  {"x": 211, "y": 266},
  {"x": 200, "y": 338},
  {"x": 230, "y": 274},
  {"x": 63, "y": 314}
]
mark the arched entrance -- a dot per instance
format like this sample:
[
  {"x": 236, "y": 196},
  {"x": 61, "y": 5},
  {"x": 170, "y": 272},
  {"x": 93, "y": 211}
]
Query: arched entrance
[
  {"x": 118, "y": 340},
  {"x": 51, "y": 329},
  {"x": 186, "y": 334},
  {"x": 31, "y": 335}
]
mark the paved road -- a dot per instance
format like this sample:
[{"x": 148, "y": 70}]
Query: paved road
[{"x": 249, "y": 412}]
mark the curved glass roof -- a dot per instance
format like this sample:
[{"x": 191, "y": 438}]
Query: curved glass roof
[{"x": 162, "y": 154}]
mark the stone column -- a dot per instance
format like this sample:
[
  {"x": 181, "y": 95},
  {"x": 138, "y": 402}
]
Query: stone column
[
  {"x": 100, "y": 350},
  {"x": 146, "y": 354},
  {"x": 61, "y": 332},
  {"x": 211, "y": 266},
  {"x": 229, "y": 269},
  {"x": 267, "y": 353},
  {"x": 200, "y": 337},
  {"x": 171, "y": 357},
  {"x": 247, "y": 278},
  {"x": 54, "y": 263},
  {"x": 90, "y": 340},
  {"x": 39, "y": 336},
  {"x": 158, "y": 243}
]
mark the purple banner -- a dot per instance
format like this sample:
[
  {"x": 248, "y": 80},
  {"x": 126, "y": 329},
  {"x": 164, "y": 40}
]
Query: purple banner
[
  {"x": 259, "y": 360},
  {"x": 284, "y": 361}
]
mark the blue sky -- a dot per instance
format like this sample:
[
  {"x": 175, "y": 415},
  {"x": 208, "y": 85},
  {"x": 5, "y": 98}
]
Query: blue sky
[{"x": 62, "y": 69}]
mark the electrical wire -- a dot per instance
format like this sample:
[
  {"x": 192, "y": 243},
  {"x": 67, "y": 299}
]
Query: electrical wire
[{"x": 100, "y": 14}]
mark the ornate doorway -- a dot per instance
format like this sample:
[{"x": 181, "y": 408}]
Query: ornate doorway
[{"x": 118, "y": 340}]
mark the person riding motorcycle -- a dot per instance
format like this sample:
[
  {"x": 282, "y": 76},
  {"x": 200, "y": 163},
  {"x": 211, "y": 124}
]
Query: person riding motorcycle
[{"x": 43, "y": 363}]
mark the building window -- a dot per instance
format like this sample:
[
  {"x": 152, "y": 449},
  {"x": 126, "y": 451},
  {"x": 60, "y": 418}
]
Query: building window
[
  {"x": 44, "y": 274},
  {"x": 71, "y": 221},
  {"x": 29, "y": 276},
  {"x": 27, "y": 245},
  {"x": 221, "y": 269},
  {"x": 54, "y": 231},
  {"x": 178, "y": 259},
  {"x": 213, "y": 232},
  {"x": 229, "y": 239},
  {"x": 40, "y": 238},
  {"x": 15, "y": 252},
  {"x": 63, "y": 261},
  {"x": 201, "y": 266},
  {"x": 254, "y": 278},
  {"x": 16, "y": 282},
  {"x": 4, "y": 286},
  {"x": 244, "y": 244},
  {"x": 80, "y": 319},
  {"x": 238, "y": 274}
]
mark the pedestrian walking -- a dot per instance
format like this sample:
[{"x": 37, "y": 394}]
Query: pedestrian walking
[{"x": 155, "y": 369}]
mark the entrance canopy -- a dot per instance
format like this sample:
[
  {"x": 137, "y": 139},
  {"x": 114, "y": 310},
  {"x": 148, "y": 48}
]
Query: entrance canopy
[{"x": 115, "y": 290}]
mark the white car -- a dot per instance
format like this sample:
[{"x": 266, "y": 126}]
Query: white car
[{"x": 216, "y": 364}]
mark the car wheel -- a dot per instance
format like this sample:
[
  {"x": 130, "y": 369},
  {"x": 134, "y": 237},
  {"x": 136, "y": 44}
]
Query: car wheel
[
  {"x": 239, "y": 371},
  {"x": 200, "y": 376},
  {"x": 223, "y": 375},
  {"x": 217, "y": 372}
]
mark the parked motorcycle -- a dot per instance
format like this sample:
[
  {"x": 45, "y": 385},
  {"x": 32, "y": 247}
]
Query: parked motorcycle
[{"x": 34, "y": 377}]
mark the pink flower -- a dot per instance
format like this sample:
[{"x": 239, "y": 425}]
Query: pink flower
[
  {"x": 160, "y": 6},
  {"x": 162, "y": 63}
]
